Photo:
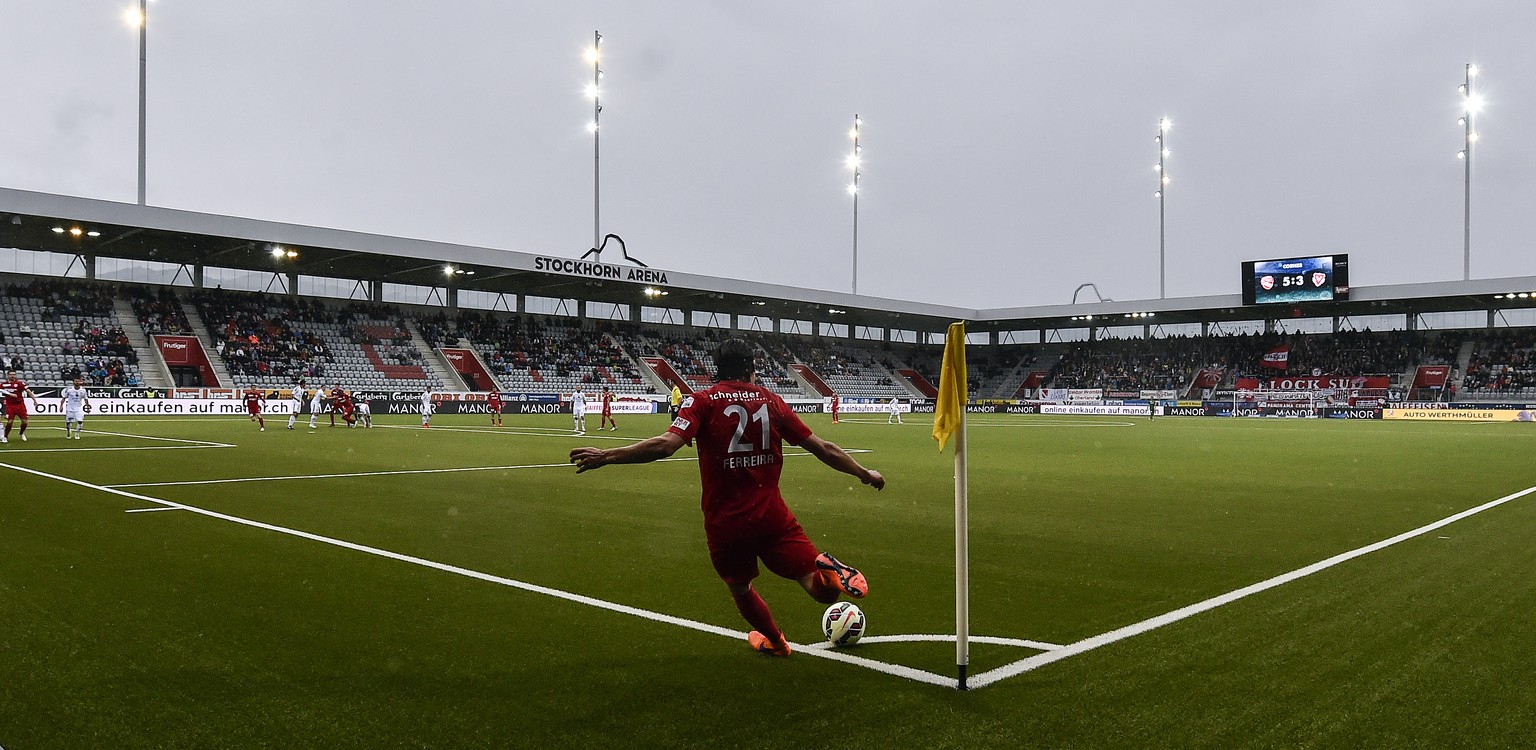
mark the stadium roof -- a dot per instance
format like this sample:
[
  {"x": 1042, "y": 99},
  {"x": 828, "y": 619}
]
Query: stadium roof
[{"x": 28, "y": 221}]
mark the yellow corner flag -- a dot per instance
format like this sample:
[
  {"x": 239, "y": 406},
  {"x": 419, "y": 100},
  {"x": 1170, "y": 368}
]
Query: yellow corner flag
[{"x": 950, "y": 408}]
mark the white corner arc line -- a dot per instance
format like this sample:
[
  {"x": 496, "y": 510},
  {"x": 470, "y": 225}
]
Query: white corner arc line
[
  {"x": 1088, "y": 644},
  {"x": 897, "y": 670},
  {"x": 990, "y": 640}
]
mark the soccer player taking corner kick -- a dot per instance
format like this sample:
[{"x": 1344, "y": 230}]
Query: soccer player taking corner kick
[{"x": 739, "y": 427}]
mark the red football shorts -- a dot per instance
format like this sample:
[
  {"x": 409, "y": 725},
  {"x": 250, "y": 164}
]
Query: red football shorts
[
  {"x": 16, "y": 410},
  {"x": 787, "y": 554},
  {"x": 253, "y": 410}
]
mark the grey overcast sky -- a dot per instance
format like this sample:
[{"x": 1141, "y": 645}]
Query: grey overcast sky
[{"x": 1008, "y": 145}]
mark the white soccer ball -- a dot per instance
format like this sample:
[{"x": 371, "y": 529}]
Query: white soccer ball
[{"x": 843, "y": 624}]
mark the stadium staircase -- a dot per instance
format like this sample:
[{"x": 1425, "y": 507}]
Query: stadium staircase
[
  {"x": 812, "y": 379},
  {"x": 919, "y": 382},
  {"x": 195, "y": 322},
  {"x": 151, "y": 365},
  {"x": 669, "y": 377},
  {"x": 435, "y": 361},
  {"x": 1463, "y": 359}
]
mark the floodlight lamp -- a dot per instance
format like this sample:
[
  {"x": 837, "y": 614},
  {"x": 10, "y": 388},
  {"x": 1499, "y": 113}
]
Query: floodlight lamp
[
  {"x": 1157, "y": 138},
  {"x": 76, "y": 231},
  {"x": 593, "y": 55},
  {"x": 1524, "y": 295},
  {"x": 292, "y": 253},
  {"x": 591, "y": 127},
  {"x": 1167, "y": 153},
  {"x": 853, "y": 161},
  {"x": 133, "y": 17},
  {"x": 277, "y": 252},
  {"x": 592, "y": 91},
  {"x": 1163, "y": 125},
  {"x": 1474, "y": 104},
  {"x": 1461, "y": 120},
  {"x": 93, "y": 233},
  {"x": 1472, "y": 137},
  {"x": 58, "y": 230},
  {"x": 447, "y": 270},
  {"x": 853, "y": 189},
  {"x": 1157, "y": 167},
  {"x": 1498, "y": 296},
  {"x": 1472, "y": 71},
  {"x": 1462, "y": 154},
  {"x": 1165, "y": 179},
  {"x": 1157, "y": 194}
]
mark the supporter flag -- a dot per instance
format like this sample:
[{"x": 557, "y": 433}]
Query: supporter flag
[
  {"x": 1277, "y": 357},
  {"x": 949, "y": 419}
]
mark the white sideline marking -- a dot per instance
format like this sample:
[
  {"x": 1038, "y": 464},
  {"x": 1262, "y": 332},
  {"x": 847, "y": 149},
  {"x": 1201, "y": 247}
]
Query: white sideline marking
[
  {"x": 1104, "y": 639},
  {"x": 147, "y": 510},
  {"x": 941, "y": 638},
  {"x": 898, "y": 670},
  {"x": 498, "y": 431},
  {"x": 189, "y": 444},
  {"x": 238, "y": 480}
]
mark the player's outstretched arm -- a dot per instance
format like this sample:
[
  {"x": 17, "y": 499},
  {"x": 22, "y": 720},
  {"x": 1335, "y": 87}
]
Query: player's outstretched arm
[
  {"x": 645, "y": 451},
  {"x": 839, "y": 459}
]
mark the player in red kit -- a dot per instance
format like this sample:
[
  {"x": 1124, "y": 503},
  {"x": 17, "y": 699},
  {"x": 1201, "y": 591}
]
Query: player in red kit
[
  {"x": 608, "y": 411},
  {"x": 739, "y": 427},
  {"x": 835, "y": 403},
  {"x": 348, "y": 407},
  {"x": 12, "y": 391},
  {"x": 253, "y": 402},
  {"x": 493, "y": 404}
]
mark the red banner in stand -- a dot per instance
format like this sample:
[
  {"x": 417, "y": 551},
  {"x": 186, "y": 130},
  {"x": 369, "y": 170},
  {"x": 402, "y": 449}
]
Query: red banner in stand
[
  {"x": 1431, "y": 376},
  {"x": 1278, "y": 357},
  {"x": 1323, "y": 383}
]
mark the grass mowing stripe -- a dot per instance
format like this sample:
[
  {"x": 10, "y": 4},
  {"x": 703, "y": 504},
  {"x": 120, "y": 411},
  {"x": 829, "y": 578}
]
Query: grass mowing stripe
[
  {"x": 393, "y": 472},
  {"x": 1104, "y": 639},
  {"x": 897, "y": 670}
]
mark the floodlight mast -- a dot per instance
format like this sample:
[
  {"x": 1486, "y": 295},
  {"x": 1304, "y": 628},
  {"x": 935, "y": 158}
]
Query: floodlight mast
[
  {"x": 853, "y": 161},
  {"x": 1470, "y": 106},
  {"x": 143, "y": 23},
  {"x": 596, "y": 54},
  {"x": 1162, "y": 189}
]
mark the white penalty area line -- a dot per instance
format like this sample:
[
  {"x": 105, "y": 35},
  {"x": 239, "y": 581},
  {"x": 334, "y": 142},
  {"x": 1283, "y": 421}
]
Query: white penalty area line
[
  {"x": 512, "y": 431},
  {"x": 897, "y": 670},
  {"x": 1088, "y": 644},
  {"x": 972, "y": 422},
  {"x": 396, "y": 472}
]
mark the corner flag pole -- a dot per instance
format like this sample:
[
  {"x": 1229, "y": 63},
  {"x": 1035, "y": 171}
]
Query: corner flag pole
[
  {"x": 949, "y": 420},
  {"x": 962, "y": 555}
]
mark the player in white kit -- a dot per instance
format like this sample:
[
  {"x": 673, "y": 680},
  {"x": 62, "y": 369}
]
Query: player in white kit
[
  {"x": 364, "y": 412},
  {"x": 579, "y": 411},
  {"x": 426, "y": 407},
  {"x": 316, "y": 404},
  {"x": 295, "y": 404},
  {"x": 76, "y": 403},
  {"x": 895, "y": 417}
]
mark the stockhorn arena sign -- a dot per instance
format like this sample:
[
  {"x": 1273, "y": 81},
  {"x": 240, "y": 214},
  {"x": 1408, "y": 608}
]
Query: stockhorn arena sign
[{"x": 591, "y": 270}]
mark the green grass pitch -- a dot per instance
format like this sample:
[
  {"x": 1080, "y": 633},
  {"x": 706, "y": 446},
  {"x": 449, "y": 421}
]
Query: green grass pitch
[{"x": 175, "y": 628}]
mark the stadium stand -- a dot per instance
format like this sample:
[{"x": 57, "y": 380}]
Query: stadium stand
[
  {"x": 851, "y": 371},
  {"x": 54, "y": 331},
  {"x": 272, "y": 342},
  {"x": 1503, "y": 364},
  {"x": 542, "y": 356}
]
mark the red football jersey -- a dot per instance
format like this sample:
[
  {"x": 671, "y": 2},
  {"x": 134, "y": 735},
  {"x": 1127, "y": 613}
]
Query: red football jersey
[
  {"x": 494, "y": 398},
  {"x": 252, "y": 400},
  {"x": 738, "y": 428},
  {"x": 13, "y": 390},
  {"x": 607, "y": 401}
]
